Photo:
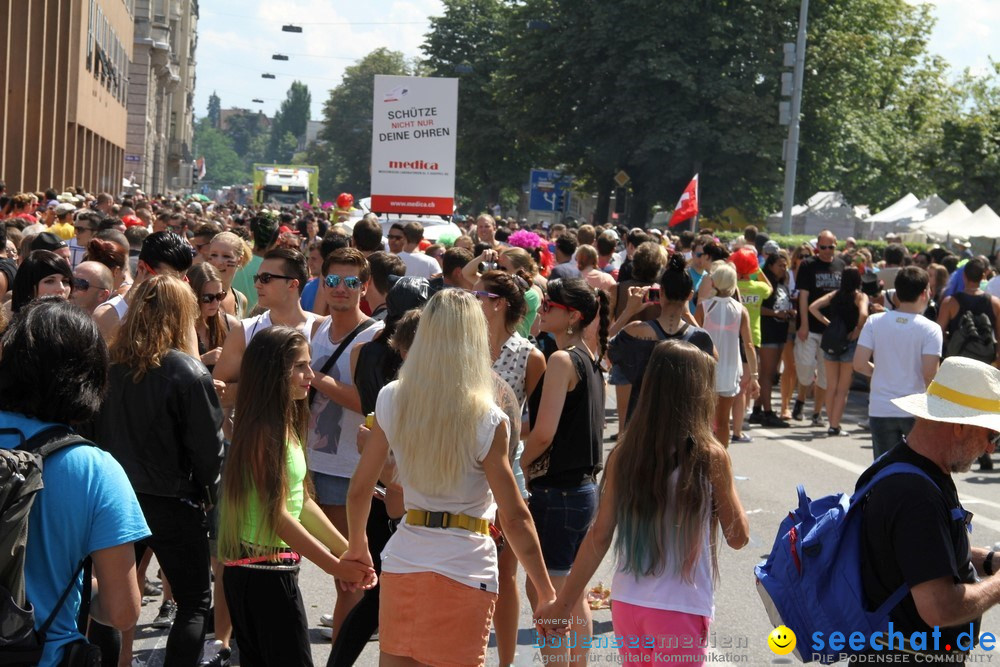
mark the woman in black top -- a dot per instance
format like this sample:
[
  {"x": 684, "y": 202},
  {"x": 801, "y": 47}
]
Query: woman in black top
[
  {"x": 850, "y": 305},
  {"x": 776, "y": 312},
  {"x": 563, "y": 454}
]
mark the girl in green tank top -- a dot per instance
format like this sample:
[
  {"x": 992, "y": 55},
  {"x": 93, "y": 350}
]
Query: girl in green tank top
[{"x": 268, "y": 519}]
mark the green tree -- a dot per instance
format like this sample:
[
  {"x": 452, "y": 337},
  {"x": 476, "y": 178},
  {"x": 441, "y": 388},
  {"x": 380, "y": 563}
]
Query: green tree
[
  {"x": 873, "y": 102},
  {"x": 656, "y": 89},
  {"x": 467, "y": 42},
  {"x": 242, "y": 127},
  {"x": 223, "y": 165},
  {"x": 965, "y": 162},
  {"x": 214, "y": 110},
  {"x": 291, "y": 118},
  {"x": 348, "y": 122}
]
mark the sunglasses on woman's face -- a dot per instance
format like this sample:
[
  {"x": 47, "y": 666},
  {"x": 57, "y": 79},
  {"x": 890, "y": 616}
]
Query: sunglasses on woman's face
[
  {"x": 548, "y": 305},
  {"x": 350, "y": 282},
  {"x": 209, "y": 298}
]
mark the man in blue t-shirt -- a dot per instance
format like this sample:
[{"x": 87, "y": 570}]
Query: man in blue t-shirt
[{"x": 53, "y": 370}]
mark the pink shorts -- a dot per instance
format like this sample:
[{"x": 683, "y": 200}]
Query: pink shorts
[{"x": 650, "y": 635}]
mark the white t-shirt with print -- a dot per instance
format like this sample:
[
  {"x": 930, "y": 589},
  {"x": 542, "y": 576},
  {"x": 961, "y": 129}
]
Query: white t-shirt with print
[
  {"x": 898, "y": 342},
  {"x": 333, "y": 429}
]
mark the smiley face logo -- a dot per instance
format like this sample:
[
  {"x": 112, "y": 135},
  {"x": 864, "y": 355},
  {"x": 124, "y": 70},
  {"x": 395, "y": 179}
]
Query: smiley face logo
[{"x": 781, "y": 640}]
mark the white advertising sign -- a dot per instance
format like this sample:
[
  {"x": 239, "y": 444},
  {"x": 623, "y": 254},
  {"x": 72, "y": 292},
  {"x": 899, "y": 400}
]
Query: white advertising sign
[{"x": 414, "y": 127}]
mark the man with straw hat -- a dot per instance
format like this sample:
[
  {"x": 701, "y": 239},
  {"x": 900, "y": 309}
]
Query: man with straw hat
[{"x": 914, "y": 530}]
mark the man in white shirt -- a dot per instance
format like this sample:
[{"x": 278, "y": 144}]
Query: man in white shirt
[
  {"x": 417, "y": 263},
  {"x": 907, "y": 349}
]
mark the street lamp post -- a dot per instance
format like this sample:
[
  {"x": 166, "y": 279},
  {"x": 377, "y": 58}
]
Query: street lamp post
[{"x": 792, "y": 145}]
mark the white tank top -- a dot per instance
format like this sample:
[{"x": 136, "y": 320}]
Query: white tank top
[
  {"x": 723, "y": 316},
  {"x": 668, "y": 590},
  {"x": 257, "y": 323}
]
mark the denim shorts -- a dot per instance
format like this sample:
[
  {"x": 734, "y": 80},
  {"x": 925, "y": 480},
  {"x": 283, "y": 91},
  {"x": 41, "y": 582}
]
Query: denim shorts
[
  {"x": 330, "y": 489},
  {"x": 562, "y": 518},
  {"x": 617, "y": 376},
  {"x": 847, "y": 356}
]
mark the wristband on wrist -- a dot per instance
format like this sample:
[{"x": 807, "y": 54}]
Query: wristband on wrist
[{"x": 988, "y": 563}]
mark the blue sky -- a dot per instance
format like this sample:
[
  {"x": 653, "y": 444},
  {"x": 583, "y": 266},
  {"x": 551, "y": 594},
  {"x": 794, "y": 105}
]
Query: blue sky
[{"x": 237, "y": 38}]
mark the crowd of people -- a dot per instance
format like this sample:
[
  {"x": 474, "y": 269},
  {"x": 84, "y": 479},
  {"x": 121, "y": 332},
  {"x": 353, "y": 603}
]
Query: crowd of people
[{"x": 417, "y": 419}]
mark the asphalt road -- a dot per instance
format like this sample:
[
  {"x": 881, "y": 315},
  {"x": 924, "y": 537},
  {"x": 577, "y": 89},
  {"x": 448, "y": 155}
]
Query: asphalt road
[{"x": 767, "y": 471}]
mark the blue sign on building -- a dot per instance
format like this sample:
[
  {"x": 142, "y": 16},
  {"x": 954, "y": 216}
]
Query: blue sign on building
[{"x": 548, "y": 190}]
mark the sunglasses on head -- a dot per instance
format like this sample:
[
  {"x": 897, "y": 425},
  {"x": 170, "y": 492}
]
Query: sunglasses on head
[
  {"x": 209, "y": 298},
  {"x": 483, "y": 295},
  {"x": 548, "y": 305},
  {"x": 826, "y": 247},
  {"x": 350, "y": 282},
  {"x": 265, "y": 278}
]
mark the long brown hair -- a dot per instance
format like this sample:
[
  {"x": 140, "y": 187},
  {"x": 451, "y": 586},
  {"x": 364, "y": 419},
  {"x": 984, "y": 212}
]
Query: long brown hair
[
  {"x": 267, "y": 416},
  {"x": 662, "y": 465},
  {"x": 161, "y": 316},
  {"x": 198, "y": 276}
]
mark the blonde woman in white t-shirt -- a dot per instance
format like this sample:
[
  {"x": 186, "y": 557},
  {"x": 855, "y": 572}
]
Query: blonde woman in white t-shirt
[{"x": 439, "y": 583}]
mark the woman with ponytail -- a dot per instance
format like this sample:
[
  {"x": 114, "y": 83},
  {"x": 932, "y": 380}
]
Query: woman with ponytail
[
  {"x": 563, "y": 453},
  {"x": 631, "y": 348}
]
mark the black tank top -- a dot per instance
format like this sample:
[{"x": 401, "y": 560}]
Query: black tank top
[
  {"x": 576, "y": 451},
  {"x": 976, "y": 303}
]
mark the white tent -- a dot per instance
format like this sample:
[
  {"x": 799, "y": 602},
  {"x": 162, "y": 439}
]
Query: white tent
[
  {"x": 893, "y": 212},
  {"x": 984, "y": 223},
  {"x": 898, "y": 219},
  {"x": 945, "y": 223},
  {"x": 824, "y": 210}
]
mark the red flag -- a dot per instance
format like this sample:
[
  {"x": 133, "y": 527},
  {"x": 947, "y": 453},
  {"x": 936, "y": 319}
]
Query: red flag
[{"x": 687, "y": 205}]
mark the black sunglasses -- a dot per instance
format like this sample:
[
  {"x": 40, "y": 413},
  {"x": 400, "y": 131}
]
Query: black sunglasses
[
  {"x": 265, "y": 278},
  {"x": 78, "y": 229},
  {"x": 826, "y": 247},
  {"x": 81, "y": 284},
  {"x": 209, "y": 298}
]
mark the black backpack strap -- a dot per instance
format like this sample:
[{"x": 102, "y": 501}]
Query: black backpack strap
[
  {"x": 50, "y": 440},
  {"x": 82, "y": 567},
  {"x": 328, "y": 364}
]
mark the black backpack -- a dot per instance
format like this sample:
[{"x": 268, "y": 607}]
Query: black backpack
[
  {"x": 20, "y": 481},
  {"x": 973, "y": 338},
  {"x": 834, "y": 339}
]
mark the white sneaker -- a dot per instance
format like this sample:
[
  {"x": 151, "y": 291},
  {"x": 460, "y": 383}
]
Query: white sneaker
[
  {"x": 326, "y": 633},
  {"x": 326, "y": 620},
  {"x": 211, "y": 650}
]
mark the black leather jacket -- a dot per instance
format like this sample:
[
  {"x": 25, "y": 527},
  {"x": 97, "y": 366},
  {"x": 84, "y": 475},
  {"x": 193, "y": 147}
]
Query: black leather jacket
[{"x": 165, "y": 430}]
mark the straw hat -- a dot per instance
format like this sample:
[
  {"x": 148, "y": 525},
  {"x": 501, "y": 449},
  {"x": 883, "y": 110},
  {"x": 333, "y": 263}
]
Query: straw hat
[{"x": 964, "y": 391}]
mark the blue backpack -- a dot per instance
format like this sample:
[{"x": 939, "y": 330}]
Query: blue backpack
[{"x": 811, "y": 580}]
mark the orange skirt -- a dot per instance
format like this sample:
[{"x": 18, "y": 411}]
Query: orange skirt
[{"x": 433, "y": 619}]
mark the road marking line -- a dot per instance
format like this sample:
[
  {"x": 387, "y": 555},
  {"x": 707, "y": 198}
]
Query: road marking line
[{"x": 992, "y": 524}]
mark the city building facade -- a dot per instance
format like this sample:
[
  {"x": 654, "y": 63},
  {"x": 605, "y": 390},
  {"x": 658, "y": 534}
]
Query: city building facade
[
  {"x": 64, "y": 86},
  {"x": 158, "y": 157}
]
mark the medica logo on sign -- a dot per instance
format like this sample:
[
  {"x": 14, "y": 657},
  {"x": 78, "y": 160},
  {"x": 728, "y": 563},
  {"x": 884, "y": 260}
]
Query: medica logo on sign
[{"x": 414, "y": 127}]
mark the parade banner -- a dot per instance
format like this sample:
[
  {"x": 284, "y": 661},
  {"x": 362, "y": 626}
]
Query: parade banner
[{"x": 414, "y": 126}]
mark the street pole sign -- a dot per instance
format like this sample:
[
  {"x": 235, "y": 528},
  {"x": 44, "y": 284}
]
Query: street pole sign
[{"x": 548, "y": 190}]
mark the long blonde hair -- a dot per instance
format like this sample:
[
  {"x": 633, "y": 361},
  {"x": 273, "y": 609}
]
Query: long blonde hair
[
  {"x": 435, "y": 430},
  {"x": 161, "y": 316}
]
